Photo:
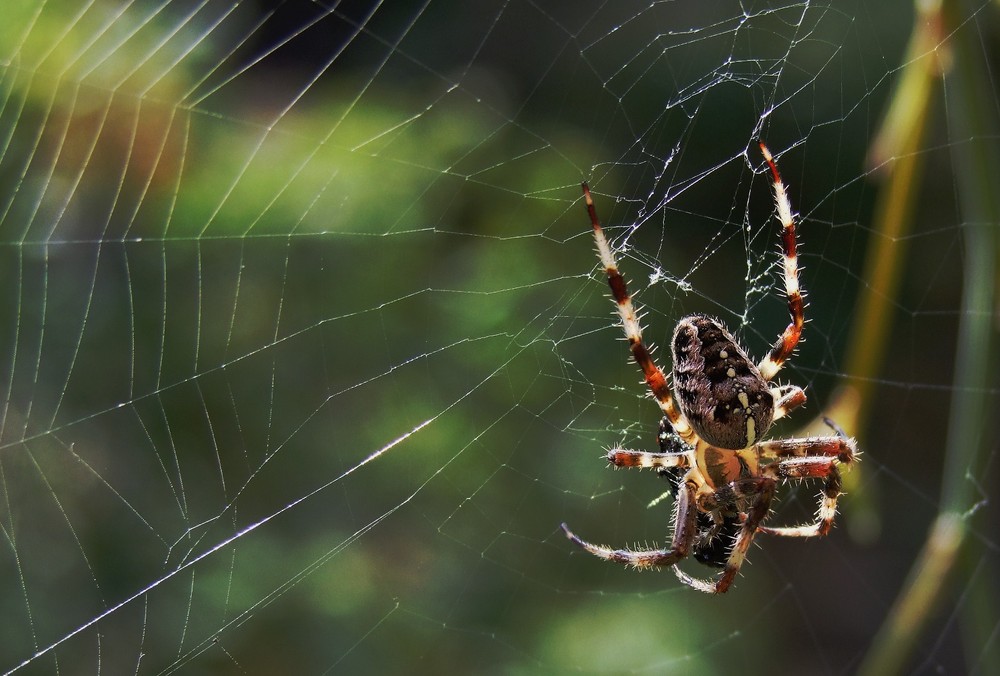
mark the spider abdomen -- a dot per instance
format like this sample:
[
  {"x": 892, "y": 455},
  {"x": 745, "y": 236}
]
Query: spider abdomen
[{"x": 720, "y": 390}]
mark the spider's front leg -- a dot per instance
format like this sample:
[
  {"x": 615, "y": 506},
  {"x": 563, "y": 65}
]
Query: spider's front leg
[{"x": 685, "y": 530}]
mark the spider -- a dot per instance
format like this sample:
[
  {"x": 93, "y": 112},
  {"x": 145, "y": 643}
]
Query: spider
[{"x": 713, "y": 450}]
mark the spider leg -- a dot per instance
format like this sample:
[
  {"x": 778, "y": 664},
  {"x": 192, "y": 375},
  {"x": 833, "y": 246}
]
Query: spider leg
[
  {"x": 811, "y": 467},
  {"x": 787, "y": 398},
  {"x": 811, "y": 458},
  {"x": 843, "y": 449},
  {"x": 685, "y": 530},
  {"x": 782, "y": 349},
  {"x": 624, "y": 457},
  {"x": 761, "y": 491},
  {"x": 654, "y": 377},
  {"x": 673, "y": 466}
]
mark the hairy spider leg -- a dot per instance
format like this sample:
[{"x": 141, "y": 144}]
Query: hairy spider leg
[
  {"x": 625, "y": 457},
  {"x": 786, "y": 399},
  {"x": 685, "y": 530},
  {"x": 811, "y": 468},
  {"x": 840, "y": 448},
  {"x": 782, "y": 349},
  {"x": 810, "y": 458},
  {"x": 655, "y": 378}
]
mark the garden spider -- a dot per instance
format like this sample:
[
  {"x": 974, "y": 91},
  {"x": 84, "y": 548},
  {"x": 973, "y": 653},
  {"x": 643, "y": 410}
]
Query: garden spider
[{"x": 712, "y": 446}]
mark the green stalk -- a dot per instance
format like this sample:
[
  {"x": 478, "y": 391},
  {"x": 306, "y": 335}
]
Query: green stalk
[
  {"x": 976, "y": 164},
  {"x": 894, "y": 157}
]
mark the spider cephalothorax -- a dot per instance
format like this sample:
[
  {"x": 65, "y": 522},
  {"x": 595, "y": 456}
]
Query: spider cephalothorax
[{"x": 723, "y": 473}]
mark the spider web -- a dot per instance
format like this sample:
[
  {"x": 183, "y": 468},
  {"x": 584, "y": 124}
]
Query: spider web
[{"x": 305, "y": 355}]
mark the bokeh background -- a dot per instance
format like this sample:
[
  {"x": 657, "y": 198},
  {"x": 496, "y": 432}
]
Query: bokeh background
[{"x": 305, "y": 354}]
